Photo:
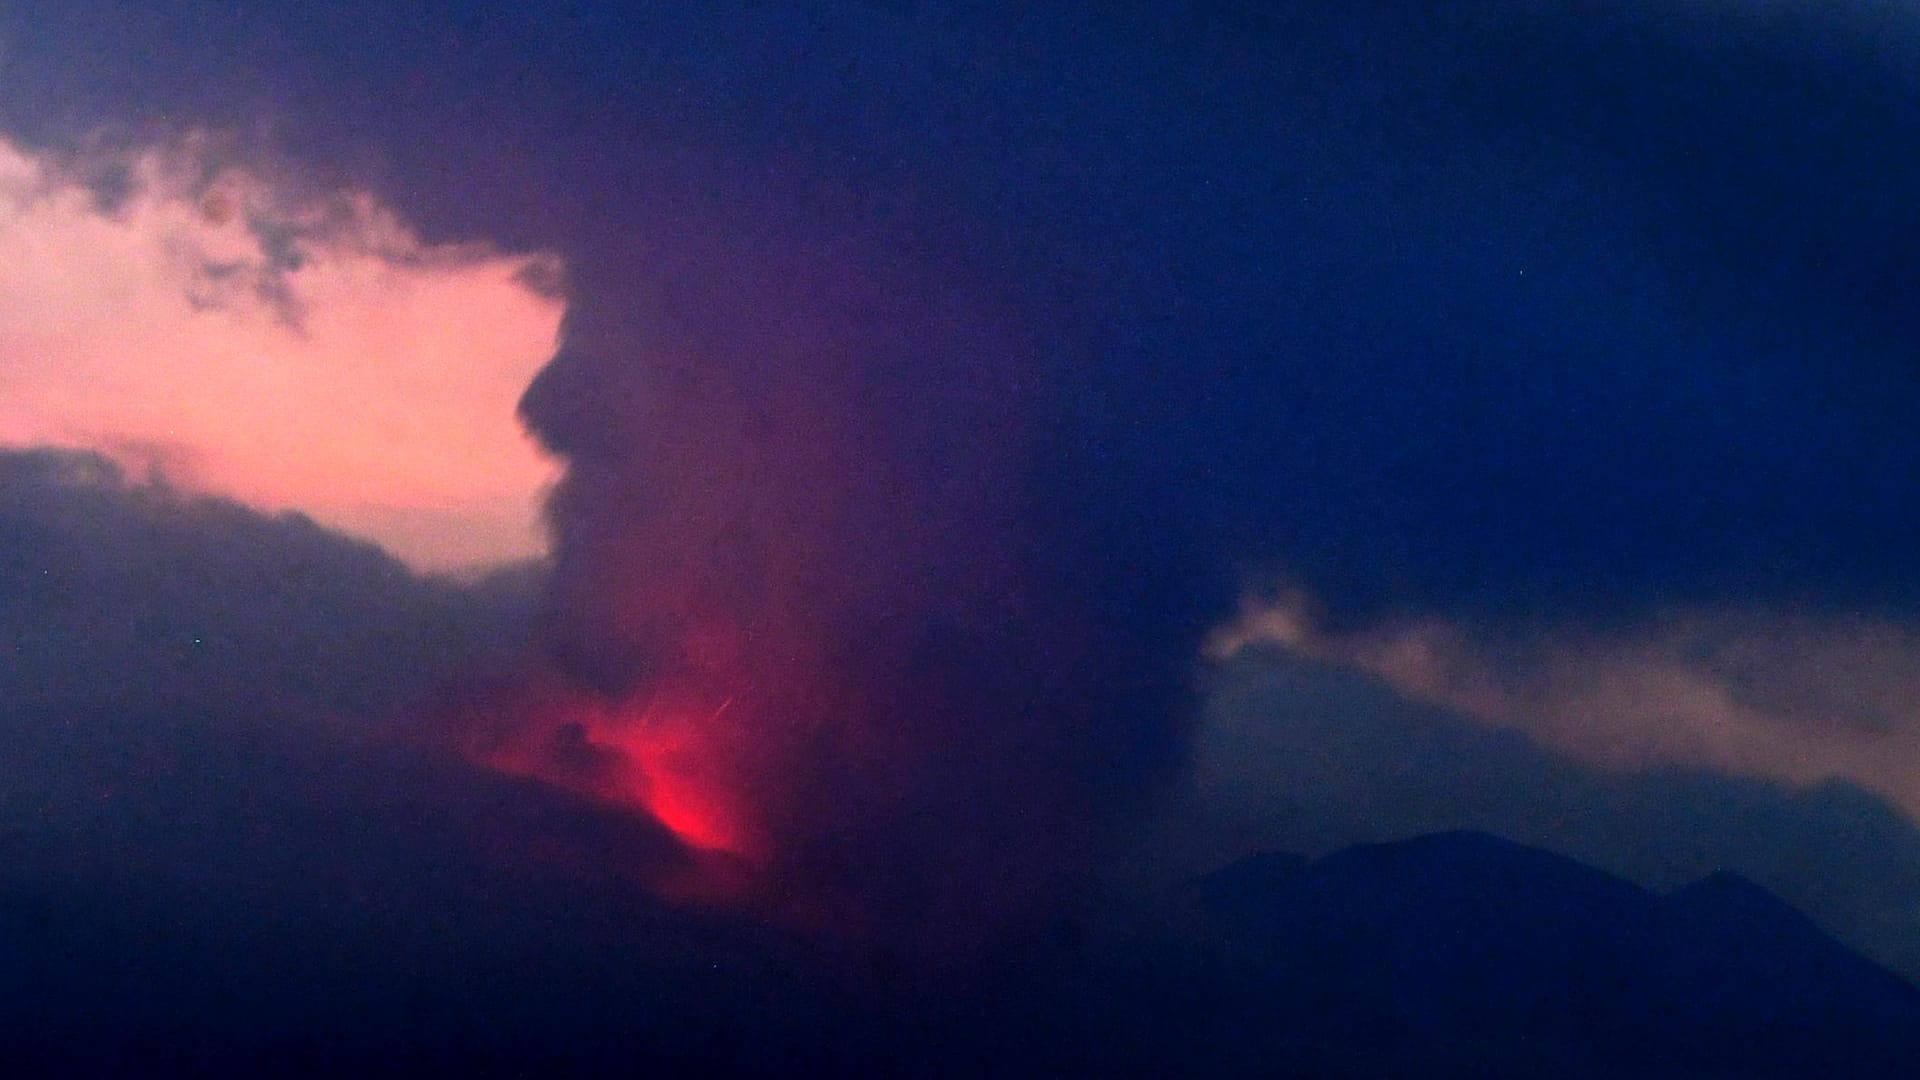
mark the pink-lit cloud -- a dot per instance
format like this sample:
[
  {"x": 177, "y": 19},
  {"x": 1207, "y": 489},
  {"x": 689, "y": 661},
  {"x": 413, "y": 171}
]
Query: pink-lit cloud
[
  {"x": 1790, "y": 696},
  {"x": 298, "y": 350}
]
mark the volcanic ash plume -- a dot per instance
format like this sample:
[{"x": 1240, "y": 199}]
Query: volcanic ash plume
[{"x": 814, "y": 608}]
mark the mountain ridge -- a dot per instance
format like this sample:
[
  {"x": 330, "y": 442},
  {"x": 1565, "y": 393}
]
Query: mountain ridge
[{"x": 1462, "y": 953}]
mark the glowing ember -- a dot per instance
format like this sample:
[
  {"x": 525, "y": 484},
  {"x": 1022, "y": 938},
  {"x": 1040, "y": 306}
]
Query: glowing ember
[
  {"x": 679, "y": 762},
  {"x": 676, "y": 777}
]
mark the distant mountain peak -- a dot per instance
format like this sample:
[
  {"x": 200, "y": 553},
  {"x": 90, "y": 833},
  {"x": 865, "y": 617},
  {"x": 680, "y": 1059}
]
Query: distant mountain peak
[
  {"x": 1726, "y": 882},
  {"x": 1736, "y": 912},
  {"x": 1556, "y": 961},
  {"x": 1724, "y": 898},
  {"x": 1246, "y": 880}
]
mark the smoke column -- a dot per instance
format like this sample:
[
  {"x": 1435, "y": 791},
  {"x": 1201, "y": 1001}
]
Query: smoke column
[{"x": 826, "y": 603}]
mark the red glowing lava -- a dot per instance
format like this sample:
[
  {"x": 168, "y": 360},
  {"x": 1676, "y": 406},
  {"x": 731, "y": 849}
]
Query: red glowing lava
[
  {"x": 680, "y": 761},
  {"x": 678, "y": 776}
]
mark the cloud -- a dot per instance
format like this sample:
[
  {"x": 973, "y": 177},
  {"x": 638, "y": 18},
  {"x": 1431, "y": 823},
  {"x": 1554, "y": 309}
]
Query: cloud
[
  {"x": 295, "y": 349},
  {"x": 122, "y": 597},
  {"x": 1795, "y": 696}
]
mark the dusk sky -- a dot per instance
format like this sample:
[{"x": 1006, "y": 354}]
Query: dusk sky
[
  {"x": 300, "y": 350},
  {"x": 929, "y": 467}
]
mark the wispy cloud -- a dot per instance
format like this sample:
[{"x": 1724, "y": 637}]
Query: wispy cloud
[{"x": 1766, "y": 691}]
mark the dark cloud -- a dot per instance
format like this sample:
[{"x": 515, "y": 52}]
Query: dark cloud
[
  {"x": 121, "y": 595},
  {"x": 1466, "y": 309}
]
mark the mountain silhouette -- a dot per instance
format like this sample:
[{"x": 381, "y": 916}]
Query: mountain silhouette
[
  {"x": 1310, "y": 757},
  {"x": 1462, "y": 954}
]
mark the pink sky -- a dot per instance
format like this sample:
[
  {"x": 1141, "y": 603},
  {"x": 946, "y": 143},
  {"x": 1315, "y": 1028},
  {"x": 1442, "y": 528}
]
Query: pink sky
[{"x": 368, "y": 380}]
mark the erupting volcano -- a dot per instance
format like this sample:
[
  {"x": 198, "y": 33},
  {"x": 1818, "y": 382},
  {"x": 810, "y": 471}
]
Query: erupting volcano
[
  {"x": 664, "y": 762},
  {"x": 682, "y": 761},
  {"x": 816, "y": 603}
]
